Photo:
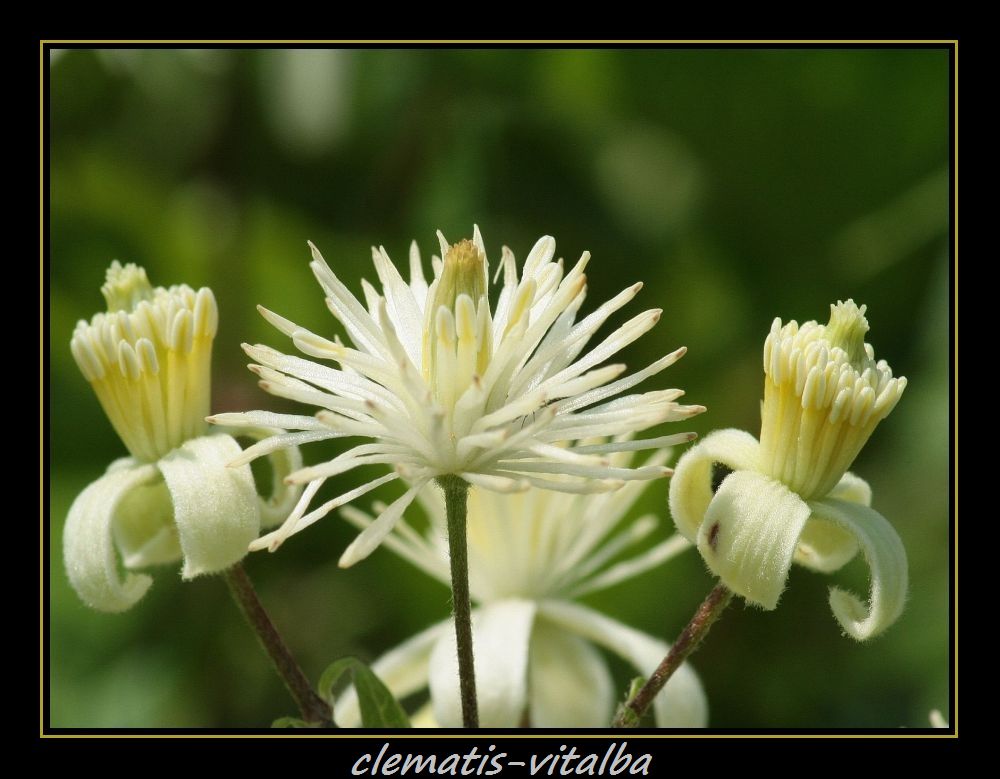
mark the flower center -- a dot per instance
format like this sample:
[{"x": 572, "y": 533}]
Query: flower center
[
  {"x": 846, "y": 329},
  {"x": 149, "y": 360},
  {"x": 126, "y": 286},
  {"x": 457, "y": 329},
  {"x": 823, "y": 396}
]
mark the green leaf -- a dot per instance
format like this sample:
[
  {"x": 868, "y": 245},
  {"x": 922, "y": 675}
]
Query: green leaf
[
  {"x": 379, "y": 709},
  {"x": 634, "y": 687},
  {"x": 290, "y": 722}
]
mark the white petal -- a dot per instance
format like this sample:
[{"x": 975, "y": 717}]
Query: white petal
[
  {"x": 144, "y": 528},
  {"x": 632, "y": 567},
  {"x": 886, "y": 558},
  {"x": 285, "y": 459},
  {"x": 404, "y": 670},
  {"x": 500, "y": 634},
  {"x": 749, "y": 535},
  {"x": 266, "y": 419},
  {"x": 271, "y": 541},
  {"x": 88, "y": 547},
  {"x": 852, "y": 488},
  {"x": 424, "y": 717},
  {"x": 691, "y": 484},
  {"x": 281, "y": 440},
  {"x": 568, "y": 681},
  {"x": 369, "y": 539},
  {"x": 680, "y": 704},
  {"x": 215, "y": 507},
  {"x": 825, "y": 546}
]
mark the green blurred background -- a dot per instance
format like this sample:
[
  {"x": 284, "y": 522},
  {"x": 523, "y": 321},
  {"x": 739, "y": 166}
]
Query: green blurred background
[{"x": 740, "y": 185}]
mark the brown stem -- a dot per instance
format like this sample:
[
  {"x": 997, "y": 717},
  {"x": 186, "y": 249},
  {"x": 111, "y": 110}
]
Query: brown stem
[
  {"x": 687, "y": 642},
  {"x": 313, "y": 708}
]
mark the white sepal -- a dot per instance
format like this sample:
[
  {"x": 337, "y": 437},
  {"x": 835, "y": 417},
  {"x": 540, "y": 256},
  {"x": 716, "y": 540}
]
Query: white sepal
[
  {"x": 144, "y": 529},
  {"x": 215, "y": 507},
  {"x": 750, "y": 533},
  {"x": 691, "y": 484},
  {"x": 852, "y": 488},
  {"x": 284, "y": 460},
  {"x": 680, "y": 704},
  {"x": 886, "y": 559},
  {"x": 501, "y": 632},
  {"x": 88, "y": 543},
  {"x": 825, "y": 546},
  {"x": 568, "y": 681}
]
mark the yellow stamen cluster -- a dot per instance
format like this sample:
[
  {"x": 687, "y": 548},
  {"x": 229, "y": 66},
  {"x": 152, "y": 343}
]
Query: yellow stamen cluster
[
  {"x": 149, "y": 360},
  {"x": 458, "y": 327},
  {"x": 823, "y": 396}
]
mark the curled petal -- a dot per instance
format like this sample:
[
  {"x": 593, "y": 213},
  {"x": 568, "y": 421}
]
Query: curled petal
[
  {"x": 144, "y": 527},
  {"x": 88, "y": 544},
  {"x": 215, "y": 507},
  {"x": 568, "y": 681},
  {"x": 691, "y": 485},
  {"x": 750, "y": 533},
  {"x": 825, "y": 546},
  {"x": 501, "y": 632},
  {"x": 852, "y": 488},
  {"x": 886, "y": 559},
  {"x": 285, "y": 458},
  {"x": 680, "y": 704}
]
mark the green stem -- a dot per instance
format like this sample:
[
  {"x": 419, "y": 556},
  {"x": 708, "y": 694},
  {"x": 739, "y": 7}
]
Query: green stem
[
  {"x": 313, "y": 708},
  {"x": 687, "y": 642},
  {"x": 456, "y": 493}
]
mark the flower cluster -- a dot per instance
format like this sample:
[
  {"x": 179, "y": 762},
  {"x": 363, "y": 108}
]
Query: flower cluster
[{"x": 443, "y": 385}]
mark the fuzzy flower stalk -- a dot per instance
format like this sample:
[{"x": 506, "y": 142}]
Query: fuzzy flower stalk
[
  {"x": 755, "y": 507},
  {"x": 444, "y": 385},
  {"x": 532, "y": 556},
  {"x": 148, "y": 359}
]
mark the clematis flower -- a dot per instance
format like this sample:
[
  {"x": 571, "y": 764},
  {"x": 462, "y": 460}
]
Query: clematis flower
[
  {"x": 754, "y": 507},
  {"x": 148, "y": 359},
  {"x": 531, "y": 555},
  {"x": 440, "y": 382}
]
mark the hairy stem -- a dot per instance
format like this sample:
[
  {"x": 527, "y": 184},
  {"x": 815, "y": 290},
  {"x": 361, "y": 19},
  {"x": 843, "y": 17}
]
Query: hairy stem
[
  {"x": 456, "y": 493},
  {"x": 687, "y": 642},
  {"x": 313, "y": 708}
]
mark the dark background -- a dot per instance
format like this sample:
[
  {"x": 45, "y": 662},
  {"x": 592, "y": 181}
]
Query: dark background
[{"x": 740, "y": 185}]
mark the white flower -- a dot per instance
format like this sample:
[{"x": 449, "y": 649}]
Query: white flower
[
  {"x": 755, "y": 507},
  {"x": 149, "y": 361},
  {"x": 530, "y": 555},
  {"x": 441, "y": 383}
]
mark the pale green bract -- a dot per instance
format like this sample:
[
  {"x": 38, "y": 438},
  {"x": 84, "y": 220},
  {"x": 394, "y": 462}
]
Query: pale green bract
[
  {"x": 788, "y": 497},
  {"x": 148, "y": 359}
]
